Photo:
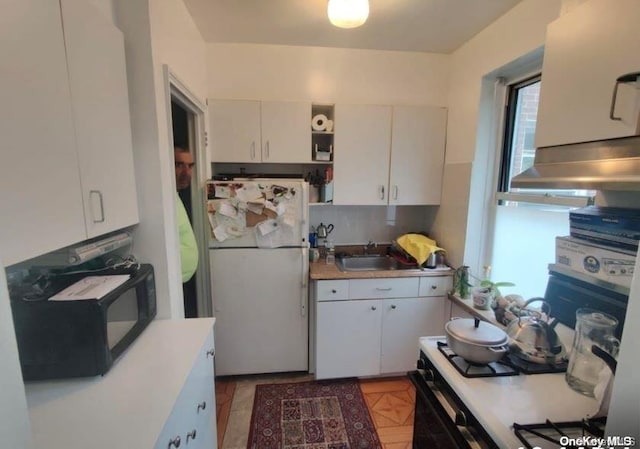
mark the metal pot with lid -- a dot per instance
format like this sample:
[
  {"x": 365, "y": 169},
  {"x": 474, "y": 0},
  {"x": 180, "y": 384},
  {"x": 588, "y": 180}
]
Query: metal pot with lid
[
  {"x": 476, "y": 341},
  {"x": 533, "y": 338}
]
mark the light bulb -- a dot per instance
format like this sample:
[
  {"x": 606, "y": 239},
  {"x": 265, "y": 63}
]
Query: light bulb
[{"x": 348, "y": 13}]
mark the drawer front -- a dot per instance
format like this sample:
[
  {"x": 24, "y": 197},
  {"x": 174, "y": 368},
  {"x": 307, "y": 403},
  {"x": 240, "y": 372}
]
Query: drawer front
[
  {"x": 435, "y": 285},
  {"x": 334, "y": 290},
  {"x": 383, "y": 288}
]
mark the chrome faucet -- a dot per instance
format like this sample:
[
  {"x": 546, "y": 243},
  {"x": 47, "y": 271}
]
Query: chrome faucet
[{"x": 366, "y": 248}]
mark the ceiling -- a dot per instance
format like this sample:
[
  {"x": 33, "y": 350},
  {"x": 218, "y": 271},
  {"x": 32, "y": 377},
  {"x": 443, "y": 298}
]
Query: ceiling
[{"x": 439, "y": 26}]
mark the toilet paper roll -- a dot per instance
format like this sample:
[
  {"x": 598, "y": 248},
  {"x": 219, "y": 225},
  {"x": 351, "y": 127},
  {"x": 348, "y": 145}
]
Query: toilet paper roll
[{"x": 319, "y": 122}]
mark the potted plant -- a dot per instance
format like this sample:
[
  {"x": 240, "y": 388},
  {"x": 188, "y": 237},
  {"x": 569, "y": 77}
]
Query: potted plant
[{"x": 486, "y": 294}]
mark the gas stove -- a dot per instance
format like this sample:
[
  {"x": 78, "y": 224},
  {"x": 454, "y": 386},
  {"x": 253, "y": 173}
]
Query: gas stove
[
  {"x": 509, "y": 365},
  {"x": 497, "y": 403}
]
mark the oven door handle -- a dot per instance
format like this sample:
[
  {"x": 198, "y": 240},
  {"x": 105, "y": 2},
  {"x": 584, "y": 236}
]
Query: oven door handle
[{"x": 440, "y": 405}]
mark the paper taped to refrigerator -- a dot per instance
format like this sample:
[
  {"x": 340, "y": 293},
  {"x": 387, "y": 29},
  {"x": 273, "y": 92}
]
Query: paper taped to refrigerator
[{"x": 236, "y": 207}]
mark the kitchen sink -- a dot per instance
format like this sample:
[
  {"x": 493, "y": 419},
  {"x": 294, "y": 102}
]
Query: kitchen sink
[{"x": 368, "y": 263}]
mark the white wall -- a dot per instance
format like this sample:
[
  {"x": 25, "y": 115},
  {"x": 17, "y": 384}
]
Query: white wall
[
  {"x": 357, "y": 225},
  {"x": 158, "y": 32},
  {"x": 275, "y": 72},
  {"x": 519, "y": 32}
]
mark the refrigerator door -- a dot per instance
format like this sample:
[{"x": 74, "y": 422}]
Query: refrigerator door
[
  {"x": 260, "y": 303},
  {"x": 229, "y": 210}
]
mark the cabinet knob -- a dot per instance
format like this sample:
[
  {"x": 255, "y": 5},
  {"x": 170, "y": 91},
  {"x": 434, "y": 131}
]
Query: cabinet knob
[
  {"x": 202, "y": 406},
  {"x": 433, "y": 287},
  {"x": 175, "y": 442},
  {"x": 191, "y": 435},
  {"x": 211, "y": 353},
  {"x": 374, "y": 308},
  {"x": 393, "y": 306},
  {"x": 333, "y": 290}
]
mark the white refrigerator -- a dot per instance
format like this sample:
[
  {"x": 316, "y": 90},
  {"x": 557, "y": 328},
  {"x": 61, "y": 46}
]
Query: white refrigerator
[{"x": 259, "y": 273}]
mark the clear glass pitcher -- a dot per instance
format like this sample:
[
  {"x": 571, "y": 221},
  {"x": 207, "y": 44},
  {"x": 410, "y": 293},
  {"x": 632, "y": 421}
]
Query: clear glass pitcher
[{"x": 592, "y": 328}]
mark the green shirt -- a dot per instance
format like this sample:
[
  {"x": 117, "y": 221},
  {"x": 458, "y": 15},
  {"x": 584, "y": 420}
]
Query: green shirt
[{"x": 188, "y": 246}]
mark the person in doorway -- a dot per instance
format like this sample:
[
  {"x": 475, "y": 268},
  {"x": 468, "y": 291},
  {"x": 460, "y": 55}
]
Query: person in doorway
[{"x": 188, "y": 248}]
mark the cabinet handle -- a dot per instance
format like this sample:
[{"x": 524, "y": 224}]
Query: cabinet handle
[
  {"x": 374, "y": 308},
  {"x": 99, "y": 194},
  {"x": 175, "y": 442},
  {"x": 253, "y": 150},
  {"x": 334, "y": 291},
  {"x": 393, "y": 306},
  {"x": 266, "y": 147},
  {"x": 211, "y": 352},
  {"x": 191, "y": 435},
  {"x": 202, "y": 406},
  {"x": 388, "y": 289},
  {"x": 395, "y": 192},
  {"x": 381, "y": 192},
  {"x": 628, "y": 78}
]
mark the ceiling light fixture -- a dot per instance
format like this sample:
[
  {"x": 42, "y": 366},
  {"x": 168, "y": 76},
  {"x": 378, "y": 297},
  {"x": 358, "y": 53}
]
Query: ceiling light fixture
[{"x": 348, "y": 13}]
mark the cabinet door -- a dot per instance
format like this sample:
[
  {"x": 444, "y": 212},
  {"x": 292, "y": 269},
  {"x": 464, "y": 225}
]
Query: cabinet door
[
  {"x": 586, "y": 50},
  {"x": 41, "y": 200},
  {"x": 417, "y": 155},
  {"x": 234, "y": 127},
  {"x": 348, "y": 338},
  {"x": 404, "y": 321},
  {"x": 286, "y": 131},
  {"x": 361, "y": 159},
  {"x": 192, "y": 417},
  {"x": 98, "y": 80}
]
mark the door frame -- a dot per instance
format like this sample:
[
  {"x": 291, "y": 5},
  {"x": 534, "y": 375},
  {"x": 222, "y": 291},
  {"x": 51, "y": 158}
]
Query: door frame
[{"x": 178, "y": 91}]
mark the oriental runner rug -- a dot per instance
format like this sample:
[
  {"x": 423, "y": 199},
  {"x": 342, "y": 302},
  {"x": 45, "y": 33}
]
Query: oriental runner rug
[{"x": 311, "y": 415}]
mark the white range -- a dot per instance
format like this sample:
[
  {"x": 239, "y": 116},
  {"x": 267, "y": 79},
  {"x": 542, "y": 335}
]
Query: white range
[{"x": 498, "y": 402}]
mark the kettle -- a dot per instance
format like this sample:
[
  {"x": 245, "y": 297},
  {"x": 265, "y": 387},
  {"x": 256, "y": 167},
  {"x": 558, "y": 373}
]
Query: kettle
[
  {"x": 535, "y": 340},
  {"x": 323, "y": 231}
]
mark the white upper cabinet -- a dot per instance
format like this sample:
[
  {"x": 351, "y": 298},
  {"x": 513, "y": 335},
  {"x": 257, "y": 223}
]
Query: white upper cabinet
[
  {"x": 99, "y": 96},
  {"x": 235, "y": 131},
  {"x": 417, "y": 154},
  {"x": 286, "y": 131},
  {"x": 67, "y": 132},
  {"x": 388, "y": 155},
  {"x": 361, "y": 159},
  {"x": 41, "y": 200},
  {"x": 261, "y": 132},
  {"x": 586, "y": 51}
]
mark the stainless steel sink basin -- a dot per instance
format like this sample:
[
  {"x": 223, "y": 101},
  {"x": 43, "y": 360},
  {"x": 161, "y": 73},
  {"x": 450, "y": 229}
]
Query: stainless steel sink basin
[{"x": 367, "y": 263}]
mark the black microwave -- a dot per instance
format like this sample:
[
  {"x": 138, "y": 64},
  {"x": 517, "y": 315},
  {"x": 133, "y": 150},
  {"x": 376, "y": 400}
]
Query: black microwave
[{"x": 79, "y": 338}]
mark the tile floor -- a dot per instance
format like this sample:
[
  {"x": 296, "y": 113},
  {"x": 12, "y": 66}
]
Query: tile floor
[{"x": 390, "y": 402}]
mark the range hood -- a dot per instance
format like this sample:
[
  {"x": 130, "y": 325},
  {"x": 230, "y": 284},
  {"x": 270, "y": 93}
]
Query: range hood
[{"x": 602, "y": 165}]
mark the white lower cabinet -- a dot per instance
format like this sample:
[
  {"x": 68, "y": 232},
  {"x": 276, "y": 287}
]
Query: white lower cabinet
[
  {"x": 348, "y": 342},
  {"x": 192, "y": 422},
  {"x": 404, "y": 321},
  {"x": 376, "y": 329}
]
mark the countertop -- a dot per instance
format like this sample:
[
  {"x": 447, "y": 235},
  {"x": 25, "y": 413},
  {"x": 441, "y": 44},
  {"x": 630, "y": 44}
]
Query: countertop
[
  {"x": 321, "y": 270},
  {"x": 128, "y": 406}
]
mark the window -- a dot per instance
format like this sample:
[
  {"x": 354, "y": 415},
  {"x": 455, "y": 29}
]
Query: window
[{"x": 518, "y": 151}]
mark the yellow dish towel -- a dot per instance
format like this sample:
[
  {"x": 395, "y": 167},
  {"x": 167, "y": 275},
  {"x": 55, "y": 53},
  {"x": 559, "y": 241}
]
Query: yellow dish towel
[{"x": 418, "y": 246}]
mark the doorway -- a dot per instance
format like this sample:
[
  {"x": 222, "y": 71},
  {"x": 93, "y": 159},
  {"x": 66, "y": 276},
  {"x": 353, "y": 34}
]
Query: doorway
[{"x": 186, "y": 115}]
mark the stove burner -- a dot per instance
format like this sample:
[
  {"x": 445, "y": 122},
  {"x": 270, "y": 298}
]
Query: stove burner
[
  {"x": 471, "y": 370},
  {"x": 536, "y": 435},
  {"x": 526, "y": 367}
]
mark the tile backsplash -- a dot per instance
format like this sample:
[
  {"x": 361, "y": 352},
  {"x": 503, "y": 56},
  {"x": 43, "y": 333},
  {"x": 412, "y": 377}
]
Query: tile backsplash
[{"x": 381, "y": 224}]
